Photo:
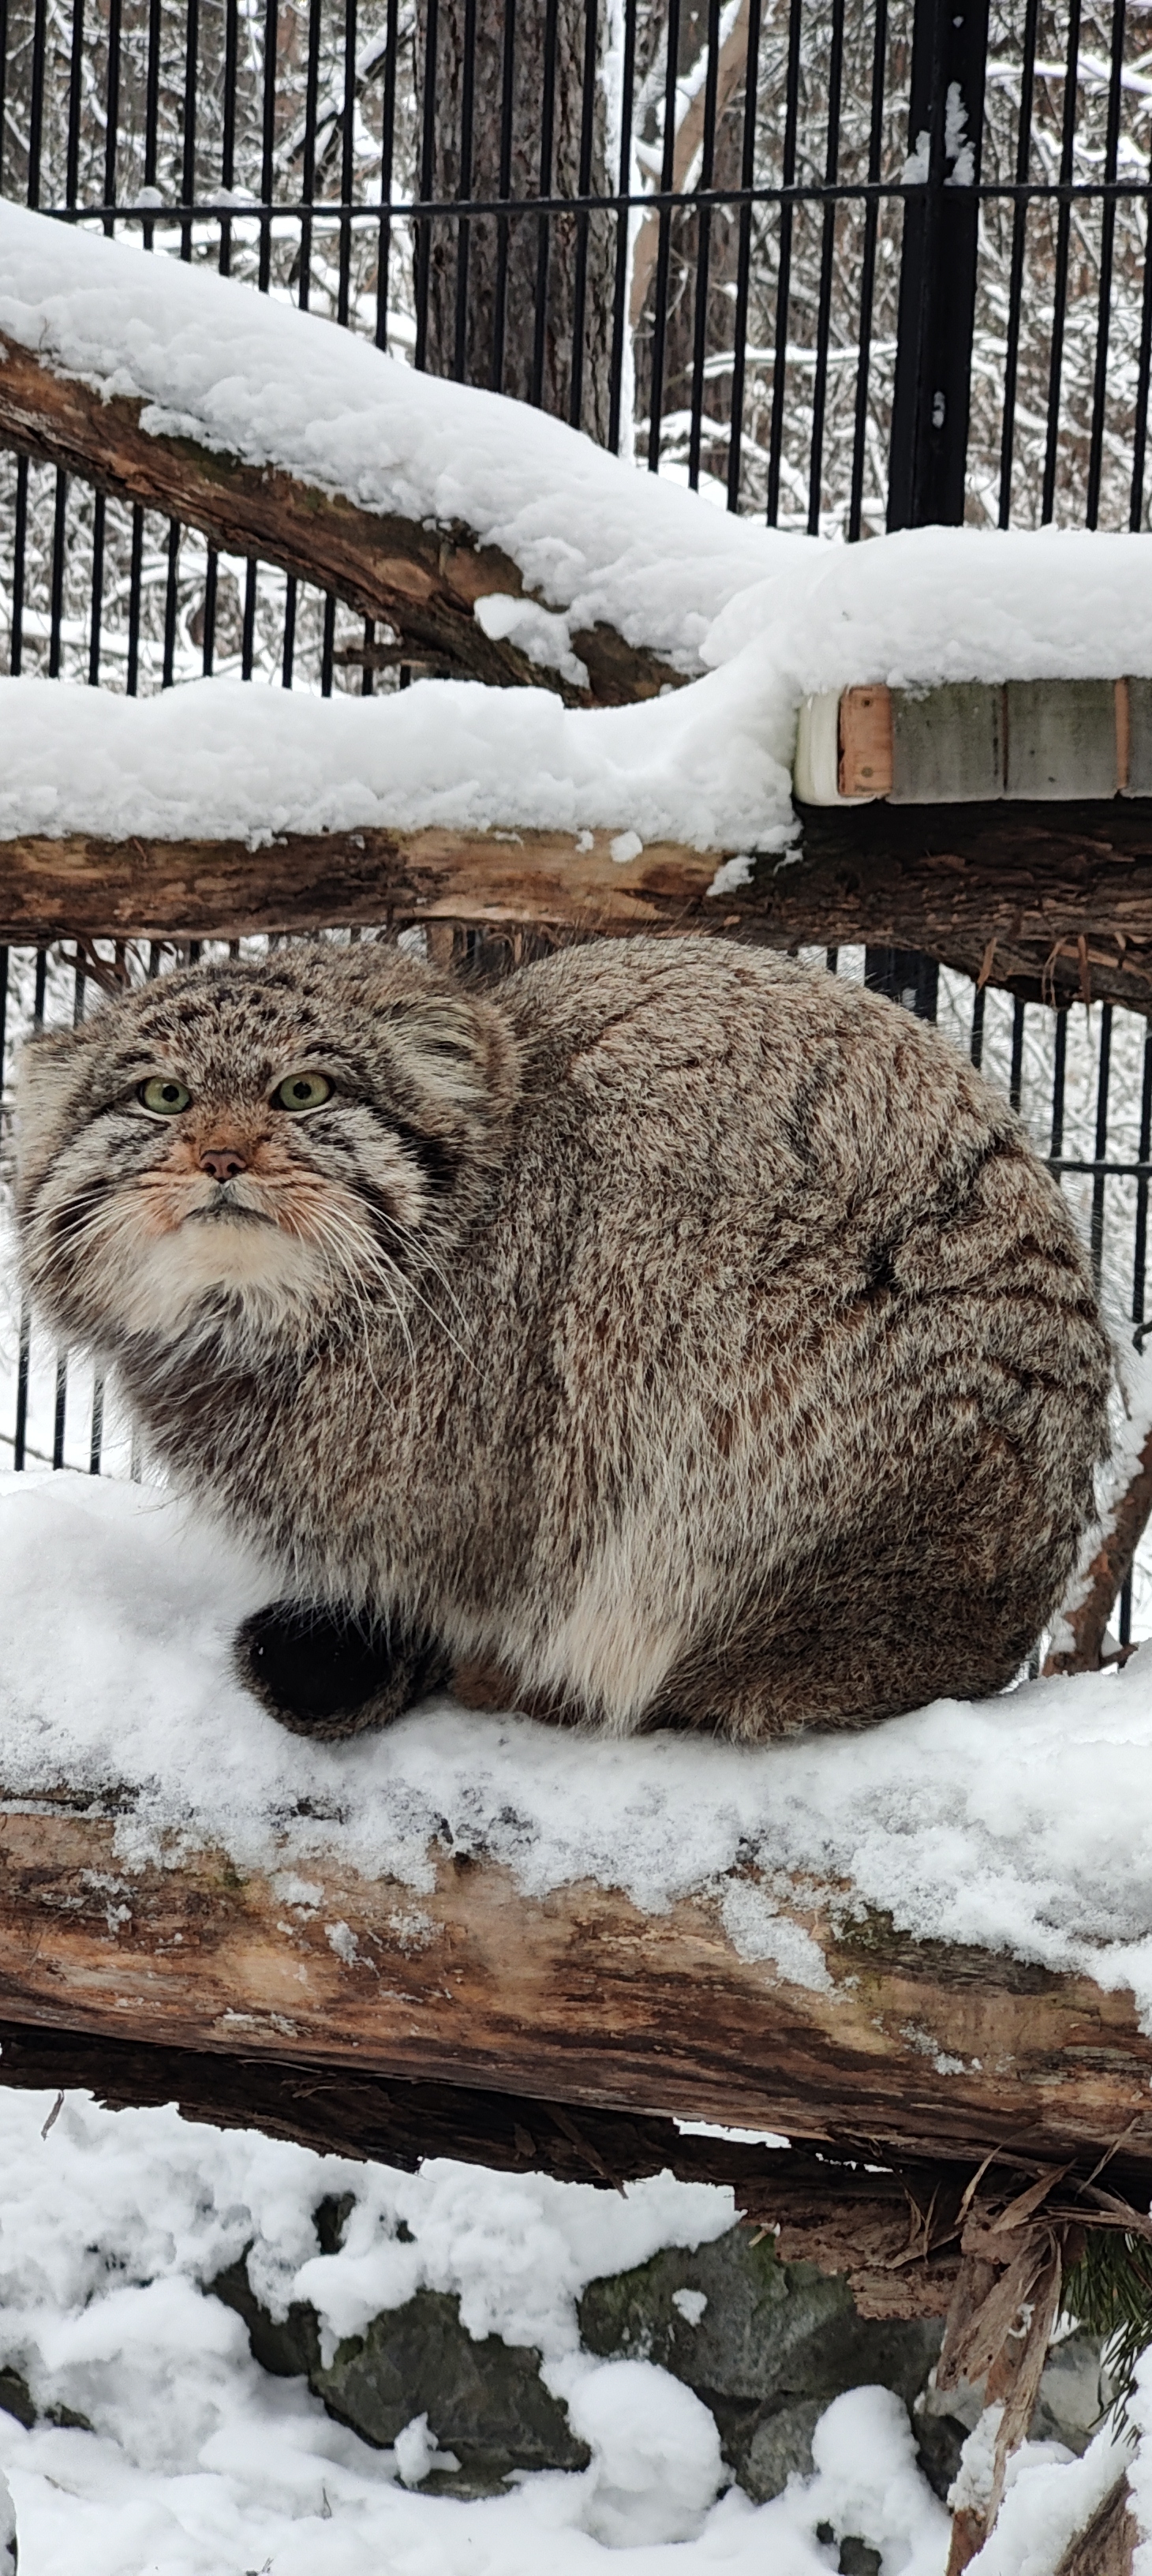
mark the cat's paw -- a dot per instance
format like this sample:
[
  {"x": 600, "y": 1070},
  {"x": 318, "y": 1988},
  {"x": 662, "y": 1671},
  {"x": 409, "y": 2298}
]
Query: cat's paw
[{"x": 330, "y": 1672}]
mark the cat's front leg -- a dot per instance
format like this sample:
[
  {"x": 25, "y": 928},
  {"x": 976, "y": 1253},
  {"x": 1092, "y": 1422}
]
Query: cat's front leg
[{"x": 331, "y": 1671}]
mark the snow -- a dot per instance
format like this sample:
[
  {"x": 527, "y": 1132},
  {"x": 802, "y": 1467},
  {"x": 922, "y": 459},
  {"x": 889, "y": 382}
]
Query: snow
[
  {"x": 768, "y": 619},
  {"x": 248, "y": 375},
  {"x": 112, "y": 2225},
  {"x": 1021, "y": 1823}
]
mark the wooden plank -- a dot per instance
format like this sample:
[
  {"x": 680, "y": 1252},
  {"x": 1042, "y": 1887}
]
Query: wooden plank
[
  {"x": 948, "y": 745},
  {"x": 1061, "y": 739},
  {"x": 422, "y": 580},
  {"x": 576, "y": 1997},
  {"x": 865, "y": 742}
]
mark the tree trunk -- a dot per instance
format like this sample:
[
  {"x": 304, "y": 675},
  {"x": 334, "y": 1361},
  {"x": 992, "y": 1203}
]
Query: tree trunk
[{"x": 521, "y": 304}]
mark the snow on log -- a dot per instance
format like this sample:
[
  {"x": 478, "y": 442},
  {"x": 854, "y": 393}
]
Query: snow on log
[
  {"x": 914, "y": 1947},
  {"x": 414, "y": 499}
]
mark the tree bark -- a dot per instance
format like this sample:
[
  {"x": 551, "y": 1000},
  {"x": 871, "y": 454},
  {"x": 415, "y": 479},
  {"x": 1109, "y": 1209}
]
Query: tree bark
[
  {"x": 421, "y": 581},
  {"x": 1053, "y": 902},
  {"x": 1107, "y": 2545},
  {"x": 518, "y": 303},
  {"x": 581, "y": 1998}
]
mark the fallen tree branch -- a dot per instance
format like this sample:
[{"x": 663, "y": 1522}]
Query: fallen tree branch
[
  {"x": 1053, "y": 902},
  {"x": 582, "y": 1999},
  {"x": 420, "y": 579}
]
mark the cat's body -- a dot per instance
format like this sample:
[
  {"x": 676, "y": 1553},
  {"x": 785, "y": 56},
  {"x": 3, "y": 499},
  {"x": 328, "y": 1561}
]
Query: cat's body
[{"x": 692, "y": 1336}]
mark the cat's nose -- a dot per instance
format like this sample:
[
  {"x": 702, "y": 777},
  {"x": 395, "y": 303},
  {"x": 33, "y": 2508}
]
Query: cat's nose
[{"x": 223, "y": 1161}]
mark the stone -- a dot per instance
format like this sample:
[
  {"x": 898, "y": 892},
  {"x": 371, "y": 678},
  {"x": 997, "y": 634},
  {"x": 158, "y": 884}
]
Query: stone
[
  {"x": 773, "y": 2344},
  {"x": 485, "y": 2401}
]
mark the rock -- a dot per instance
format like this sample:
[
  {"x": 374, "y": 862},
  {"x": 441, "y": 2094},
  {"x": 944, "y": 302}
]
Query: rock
[
  {"x": 485, "y": 2402},
  {"x": 767, "y": 2351}
]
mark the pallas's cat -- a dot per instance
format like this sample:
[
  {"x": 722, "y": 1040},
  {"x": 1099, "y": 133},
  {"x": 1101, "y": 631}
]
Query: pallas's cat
[{"x": 688, "y": 1337}]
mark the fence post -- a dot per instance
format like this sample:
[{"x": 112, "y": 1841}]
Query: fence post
[{"x": 938, "y": 264}]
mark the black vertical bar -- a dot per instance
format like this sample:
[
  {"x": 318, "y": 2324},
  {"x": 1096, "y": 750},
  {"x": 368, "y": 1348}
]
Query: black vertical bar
[
  {"x": 326, "y": 647},
  {"x": 1107, "y": 247},
  {"x": 744, "y": 258},
  {"x": 903, "y": 975},
  {"x": 1098, "y": 1178},
  {"x": 931, "y": 395},
  {"x": 228, "y": 133},
  {"x": 308, "y": 163},
  {"x": 367, "y": 675},
  {"x": 56, "y": 609},
  {"x": 248, "y": 630},
  {"x": 97, "y": 590},
  {"x": 1060, "y": 274},
  {"x": 288, "y": 655},
  {"x": 19, "y": 552},
  {"x": 59, "y": 1408},
  {"x": 75, "y": 68},
  {"x": 507, "y": 97},
  {"x": 583, "y": 187},
  {"x": 170, "y": 604},
  {"x": 423, "y": 246},
  {"x": 347, "y": 162},
  {"x": 1016, "y": 265},
  {"x": 211, "y": 584},
  {"x": 36, "y": 101},
  {"x": 387, "y": 151},
  {"x": 152, "y": 109},
  {"x": 544, "y": 222},
  {"x": 132, "y": 675},
  {"x": 703, "y": 249},
  {"x": 1016, "y": 1075},
  {"x": 868, "y": 277},
  {"x": 784, "y": 264},
  {"x": 1143, "y": 387},
  {"x": 664, "y": 248},
  {"x": 463, "y": 192},
  {"x": 96, "y": 1436},
  {"x": 112, "y": 128},
  {"x": 976, "y": 1041},
  {"x": 267, "y": 142},
  {"x": 1059, "y": 1074},
  {"x": 824, "y": 305},
  {"x": 1144, "y": 1148},
  {"x": 188, "y": 157},
  {"x": 620, "y": 325}
]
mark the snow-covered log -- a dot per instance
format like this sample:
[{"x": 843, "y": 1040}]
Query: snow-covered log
[
  {"x": 413, "y": 499},
  {"x": 328, "y": 1992}
]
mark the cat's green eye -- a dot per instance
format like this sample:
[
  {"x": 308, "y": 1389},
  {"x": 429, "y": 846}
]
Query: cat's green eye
[
  {"x": 163, "y": 1096},
  {"x": 302, "y": 1091}
]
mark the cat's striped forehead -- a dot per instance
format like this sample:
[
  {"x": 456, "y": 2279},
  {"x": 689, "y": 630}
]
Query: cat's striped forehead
[{"x": 237, "y": 1022}]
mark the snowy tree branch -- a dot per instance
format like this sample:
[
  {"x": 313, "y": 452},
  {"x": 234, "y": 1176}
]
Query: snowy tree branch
[{"x": 420, "y": 579}]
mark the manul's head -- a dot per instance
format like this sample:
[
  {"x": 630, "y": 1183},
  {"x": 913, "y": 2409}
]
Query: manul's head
[{"x": 256, "y": 1152}]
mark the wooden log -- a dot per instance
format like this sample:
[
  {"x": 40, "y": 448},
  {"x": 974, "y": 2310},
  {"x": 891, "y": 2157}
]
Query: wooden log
[
  {"x": 1053, "y": 902},
  {"x": 421, "y": 579},
  {"x": 574, "y": 1998},
  {"x": 1107, "y": 2545},
  {"x": 144, "y": 888}
]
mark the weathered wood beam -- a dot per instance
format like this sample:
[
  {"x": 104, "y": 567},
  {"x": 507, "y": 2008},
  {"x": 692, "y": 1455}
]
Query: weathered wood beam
[
  {"x": 1054, "y": 902},
  {"x": 577, "y": 1998},
  {"x": 423, "y": 580},
  {"x": 222, "y": 889}
]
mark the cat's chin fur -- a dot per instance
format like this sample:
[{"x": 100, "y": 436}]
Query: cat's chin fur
[
  {"x": 690, "y": 1337},
  {"x": 226, "y": 1277}
]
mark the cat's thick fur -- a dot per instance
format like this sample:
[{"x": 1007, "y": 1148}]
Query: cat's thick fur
[{"x": 692, "y": 1336}]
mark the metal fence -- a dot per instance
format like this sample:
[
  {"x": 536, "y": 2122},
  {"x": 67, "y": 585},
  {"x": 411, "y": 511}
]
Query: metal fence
[{"x": 841, "y": 263}]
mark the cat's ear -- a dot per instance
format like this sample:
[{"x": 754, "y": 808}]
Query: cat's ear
[
  {"x": 458, "y": 1054},
  {"x": 51, "y": 1092}
]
